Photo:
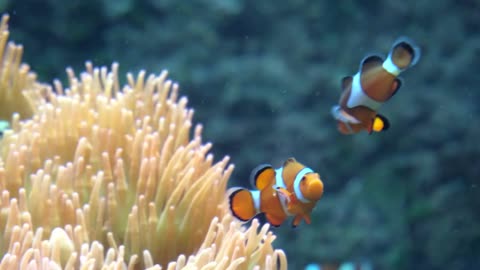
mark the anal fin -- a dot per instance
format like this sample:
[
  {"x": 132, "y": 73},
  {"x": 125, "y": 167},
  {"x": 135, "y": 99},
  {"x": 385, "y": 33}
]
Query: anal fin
[
  {"x": 274, "y": 221},
  {"x": 397, "y": 83}
]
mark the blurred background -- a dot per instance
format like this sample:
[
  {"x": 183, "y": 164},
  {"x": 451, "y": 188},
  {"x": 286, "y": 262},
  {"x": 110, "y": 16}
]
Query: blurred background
[{"x": 262, "y": 77}]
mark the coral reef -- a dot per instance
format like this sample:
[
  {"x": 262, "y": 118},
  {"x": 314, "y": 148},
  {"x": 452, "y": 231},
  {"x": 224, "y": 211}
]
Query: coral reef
[{"x": 94, "y": 176}]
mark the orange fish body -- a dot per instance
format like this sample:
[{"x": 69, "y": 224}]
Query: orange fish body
[
  {"x": 292, "y": 190},
  {"x": 375, "y": 83}
]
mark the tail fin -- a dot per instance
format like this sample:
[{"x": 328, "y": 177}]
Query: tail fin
[
  {"x": 380, "y": 123},
  {"x": 404, "y": 54},
  {"x": 243, "y": 203}
]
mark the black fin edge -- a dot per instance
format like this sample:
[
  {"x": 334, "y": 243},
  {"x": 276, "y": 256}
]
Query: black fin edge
[
  {"x": 411, "y": 46},
  {"x": 386, "y": 123},
  {"x": 230, "y": 204},
  {"x": 257, "y": 171}
]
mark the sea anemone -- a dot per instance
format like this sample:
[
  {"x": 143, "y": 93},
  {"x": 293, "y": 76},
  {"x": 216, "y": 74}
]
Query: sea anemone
[{"x": 98, "y": 176}]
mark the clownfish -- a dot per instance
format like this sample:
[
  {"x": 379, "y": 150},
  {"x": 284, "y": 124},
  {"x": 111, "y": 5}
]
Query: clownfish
[
  {"x": 375, "y": 82},
  {"x": 291, "y": 190}
]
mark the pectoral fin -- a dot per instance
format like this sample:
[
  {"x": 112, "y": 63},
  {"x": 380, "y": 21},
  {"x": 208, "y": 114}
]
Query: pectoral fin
[
  {"x": 339, "y": 114},
  {"x": 289, "y": 196},
  {"x": 346, "y": 82},
  {"x": 274, "y": 221}
]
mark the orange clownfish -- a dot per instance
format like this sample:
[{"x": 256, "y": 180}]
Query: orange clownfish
[
  {"x": 375, "y": 82},
  {"x": 291, "y": 190}
]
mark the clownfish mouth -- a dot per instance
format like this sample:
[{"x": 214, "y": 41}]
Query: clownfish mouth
[{"x": 343, "y": 116}]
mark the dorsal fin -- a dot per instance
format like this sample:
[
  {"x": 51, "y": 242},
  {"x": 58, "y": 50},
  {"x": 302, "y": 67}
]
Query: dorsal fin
[
  {"x": 289, "y": 160},
  {"x": 370, "y": 62},
  {"x": 346, "y": 82},
  {"x": 262, "y": 176},
  {"x": 290, "y": 170}
]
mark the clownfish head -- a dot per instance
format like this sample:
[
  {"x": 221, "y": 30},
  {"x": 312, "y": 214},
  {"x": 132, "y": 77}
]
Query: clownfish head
[{"x": 311, "y": 186}]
